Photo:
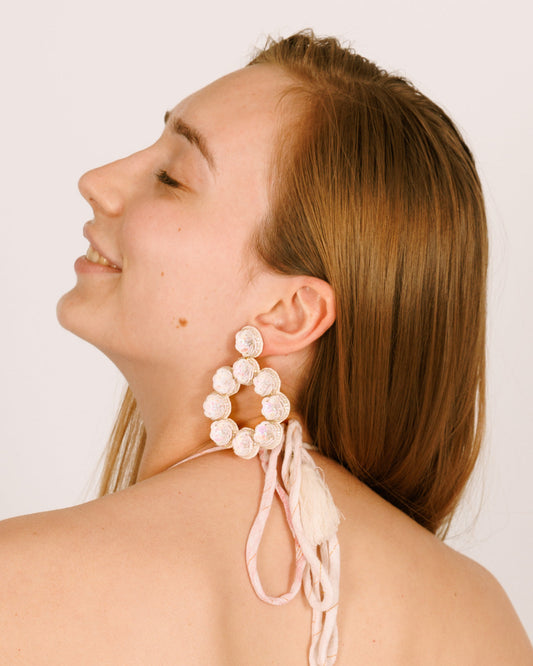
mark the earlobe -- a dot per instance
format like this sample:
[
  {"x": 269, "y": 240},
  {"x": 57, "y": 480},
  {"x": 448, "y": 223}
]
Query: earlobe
[{"x": 300, "y": 317}]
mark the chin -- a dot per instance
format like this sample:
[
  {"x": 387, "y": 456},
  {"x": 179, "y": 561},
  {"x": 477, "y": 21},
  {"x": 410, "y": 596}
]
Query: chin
[
  {"x": 73, "y": 315},
  {"x": 64, "y": 310}
]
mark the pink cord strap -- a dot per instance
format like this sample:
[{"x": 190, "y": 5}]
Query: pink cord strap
[
  {"x": 310, "y": 529},
  {"x": 269, "y": 463},
  {"x": 313, "y": 520}
]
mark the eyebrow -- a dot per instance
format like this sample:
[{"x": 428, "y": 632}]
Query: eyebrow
[{"x": 193, "y": 136}]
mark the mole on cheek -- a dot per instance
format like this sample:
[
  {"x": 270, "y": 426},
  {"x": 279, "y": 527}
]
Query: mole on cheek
[
  {"x": 162, "y": 273},
  {"x": 182, "y": 322}
]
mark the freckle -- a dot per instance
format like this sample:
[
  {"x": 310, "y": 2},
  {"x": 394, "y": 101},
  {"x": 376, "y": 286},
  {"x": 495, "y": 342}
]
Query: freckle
[
  {"x": 179, "y": 228},
  {"x": 162, "y": 273},
  {"x": 183, "y": 322}
]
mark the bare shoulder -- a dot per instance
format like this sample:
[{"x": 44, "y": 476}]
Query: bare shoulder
[
  {"x": 131, "y": 575},
  {"x": 115, "y": 567},
  {"x": 406, "y": 597},
  {"x": 34, "y": 559},
  {"x": 487, "y": 624},
  {"x": 442, "y": 606},
  {"x": 479, "y": 623},
  {"x": 32, "y": 542}
]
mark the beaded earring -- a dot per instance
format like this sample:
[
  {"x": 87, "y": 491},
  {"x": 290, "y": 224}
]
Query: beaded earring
[
  {"x": 310, "y": 510},
  {"x": 227, "y": 381}
]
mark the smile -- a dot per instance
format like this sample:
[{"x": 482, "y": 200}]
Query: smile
[{"x": 97, "y": 258}]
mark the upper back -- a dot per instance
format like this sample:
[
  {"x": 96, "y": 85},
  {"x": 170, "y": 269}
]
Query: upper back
[{"x": 156, "y": 574}]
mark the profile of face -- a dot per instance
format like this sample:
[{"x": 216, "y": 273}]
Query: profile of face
[{"x": 176, "y": 218}]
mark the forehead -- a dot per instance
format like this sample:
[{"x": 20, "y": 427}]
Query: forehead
[{"x": 238, "y": 114}]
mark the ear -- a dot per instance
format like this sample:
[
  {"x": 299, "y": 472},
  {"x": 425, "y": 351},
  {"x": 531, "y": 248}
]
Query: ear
[{"x": 302, "y": 314}]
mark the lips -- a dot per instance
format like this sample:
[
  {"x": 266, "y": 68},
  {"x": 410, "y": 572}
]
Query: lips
[{"x": 87, "y": 232}]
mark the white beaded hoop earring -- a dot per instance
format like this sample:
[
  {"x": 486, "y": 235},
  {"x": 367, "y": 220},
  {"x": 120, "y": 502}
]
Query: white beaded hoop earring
[{"x": 227, "y": 380}]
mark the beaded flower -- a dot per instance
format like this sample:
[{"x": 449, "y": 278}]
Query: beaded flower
[{"x": 275, "y": 406}]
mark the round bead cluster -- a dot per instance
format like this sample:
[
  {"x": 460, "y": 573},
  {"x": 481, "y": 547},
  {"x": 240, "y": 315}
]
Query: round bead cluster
[{"x": 266, "y": 382}]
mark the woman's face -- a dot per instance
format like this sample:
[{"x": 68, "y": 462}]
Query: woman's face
[{"x": 176, "y": 218}]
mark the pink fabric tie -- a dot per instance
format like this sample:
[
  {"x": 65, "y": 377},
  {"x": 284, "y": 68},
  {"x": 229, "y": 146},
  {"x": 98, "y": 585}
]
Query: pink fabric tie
[{"x": 318, "y": 571}]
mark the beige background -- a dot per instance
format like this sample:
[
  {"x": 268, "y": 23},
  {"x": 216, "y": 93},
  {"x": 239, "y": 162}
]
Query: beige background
[{"x": 85, "y": 83}]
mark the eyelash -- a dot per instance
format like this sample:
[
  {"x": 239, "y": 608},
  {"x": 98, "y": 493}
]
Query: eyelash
[{"x": 163, "y": 177}]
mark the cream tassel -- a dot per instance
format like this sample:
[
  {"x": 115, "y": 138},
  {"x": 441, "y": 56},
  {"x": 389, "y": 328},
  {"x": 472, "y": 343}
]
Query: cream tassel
[{"x": 320, "y": 517}]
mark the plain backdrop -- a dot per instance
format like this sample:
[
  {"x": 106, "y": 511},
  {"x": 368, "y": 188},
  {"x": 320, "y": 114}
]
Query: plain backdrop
[{"x": 86, "y": 83}]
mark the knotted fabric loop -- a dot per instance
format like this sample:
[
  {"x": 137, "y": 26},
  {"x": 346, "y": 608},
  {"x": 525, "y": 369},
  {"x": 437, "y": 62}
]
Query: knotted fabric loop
[
  {"x": 269, "y": 463},
  {"x": 321, "y": 571},
  {"x": 313, "y": 520}
]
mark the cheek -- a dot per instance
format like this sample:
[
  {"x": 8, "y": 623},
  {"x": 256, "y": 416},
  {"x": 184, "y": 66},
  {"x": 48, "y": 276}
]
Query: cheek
[{"x": 179, "y": 273}]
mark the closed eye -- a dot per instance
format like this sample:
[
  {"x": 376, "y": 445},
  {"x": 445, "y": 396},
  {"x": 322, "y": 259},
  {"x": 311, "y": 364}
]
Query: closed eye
[{"x": 163, "y": 177}]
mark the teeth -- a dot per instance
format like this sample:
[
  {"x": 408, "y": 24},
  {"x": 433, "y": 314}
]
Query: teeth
[{"x": 96, "y": 258}]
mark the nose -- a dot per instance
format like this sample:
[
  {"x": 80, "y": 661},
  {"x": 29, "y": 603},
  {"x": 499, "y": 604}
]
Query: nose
[{"x": 107, "y": 188}]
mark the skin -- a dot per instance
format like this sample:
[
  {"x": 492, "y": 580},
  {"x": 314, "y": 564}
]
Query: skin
[
  {"x": 155, "y": 574},
  {"x": 188, "y": 281}
]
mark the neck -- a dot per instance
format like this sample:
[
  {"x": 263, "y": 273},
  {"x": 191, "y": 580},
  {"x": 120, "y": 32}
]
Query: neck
[
  {"x": 170, "y": 403},
  {"x": 171, "y": 411},
  {"x": 173, "y": 417}
]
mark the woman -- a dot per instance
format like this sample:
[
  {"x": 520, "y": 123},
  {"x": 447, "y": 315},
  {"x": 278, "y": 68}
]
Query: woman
[{"x": 337, "y": 211}]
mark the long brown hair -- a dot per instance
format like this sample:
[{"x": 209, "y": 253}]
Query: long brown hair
[{"x": 375, "y": 191}]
